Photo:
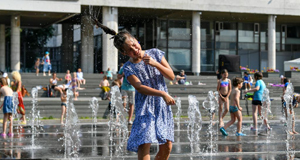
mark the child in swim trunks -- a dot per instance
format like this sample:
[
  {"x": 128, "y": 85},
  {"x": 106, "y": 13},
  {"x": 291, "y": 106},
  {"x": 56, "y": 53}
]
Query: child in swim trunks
[
  {"x": 224, "y": 89},
  {"x": 235, "y": 108},
  {"x": 63, "y": 98},
  {"x": 7, "y": 107}
]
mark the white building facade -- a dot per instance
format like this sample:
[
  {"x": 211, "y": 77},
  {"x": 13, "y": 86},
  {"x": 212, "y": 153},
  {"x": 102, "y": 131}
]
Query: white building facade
[{"x": 264, "y": 33}]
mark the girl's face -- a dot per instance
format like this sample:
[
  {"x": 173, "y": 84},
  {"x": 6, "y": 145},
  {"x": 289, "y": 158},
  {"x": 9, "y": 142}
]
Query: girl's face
[
  {"x": 68, "y": 72},
  {"x": 240, "y": 85},
  {"x": 74, "y": 74},
  {"x": 132, "y": 48},
  {"x": 79, "y": 70},
  {"x": 224, "y": 75}
]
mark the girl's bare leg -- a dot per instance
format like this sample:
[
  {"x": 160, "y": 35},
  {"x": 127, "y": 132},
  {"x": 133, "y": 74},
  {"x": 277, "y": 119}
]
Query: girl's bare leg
[
  {"x": 24, "y": 119},
  {"x": 63, "y": 112},
  {"x": 254, "y": 116},
  {"x": 164, "y": 151},
  {"x": 221, "y": 123},
  {"x": 130, "y": 112},
  {"x": 144, "y": 151},
  {"x": 5, "y": 122},
  {"x": 226, "y": 108},
  {"x": 11, "y": 123}
]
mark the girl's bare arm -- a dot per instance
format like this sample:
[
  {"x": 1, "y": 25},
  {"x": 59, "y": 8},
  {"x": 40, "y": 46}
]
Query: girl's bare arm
[
  {"x": 254, "y": 89},
  {"x": 136, "y": 83},
  {"x": 163, "y": 66},
  {"x": 229, "y": 88},
  {"x": 218, "y": 89}
]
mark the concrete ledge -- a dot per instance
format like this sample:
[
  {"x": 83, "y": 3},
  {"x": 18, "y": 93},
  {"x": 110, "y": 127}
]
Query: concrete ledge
[
  {"x": 41, "y": 6},
  {"x": 278, "y": 7}
]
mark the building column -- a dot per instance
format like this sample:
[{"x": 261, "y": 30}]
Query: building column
[
  {"x": 2, "y": 47},
  {"x": 67, "y": 48},
  {"x": 15, "y": 43},
  {"x": 87, "y": 43},
  {"x": 109, "y": 52},
  {"x": 196, "y": 42},
  {"x": 272, "y": 42}
]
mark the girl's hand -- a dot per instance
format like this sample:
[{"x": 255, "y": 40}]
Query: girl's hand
[
  {"x": 149, "y": 60},
  {"x": 240, "y": 108},
  {"x": 168, "y": 99}
]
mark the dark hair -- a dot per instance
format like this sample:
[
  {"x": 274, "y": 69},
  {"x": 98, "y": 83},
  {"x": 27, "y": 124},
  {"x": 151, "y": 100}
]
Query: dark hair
[
  {"x": 258, "y": 75},
  {"x": 285, "y": 80},
  {"x": 236, "y": 81},
  {"x": 119, "y": 38},
  {"x": 3, "y": 81},
  {"x": 224, "y": 71},
  {"x": 104, "y": 77},
  {"x": 246, "y": 73},
  {"x": 53, "y": 72},
  {"x": 115, "y": 82}
]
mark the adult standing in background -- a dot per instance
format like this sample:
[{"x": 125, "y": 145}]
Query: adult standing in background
[{"x": 47, "y": 64}]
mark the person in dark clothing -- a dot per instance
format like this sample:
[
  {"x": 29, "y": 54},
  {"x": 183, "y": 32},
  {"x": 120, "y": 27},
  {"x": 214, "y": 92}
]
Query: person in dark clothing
[{"x": 181, "y": 78}]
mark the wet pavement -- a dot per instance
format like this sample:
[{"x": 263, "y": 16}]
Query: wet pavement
[{"x": 96, "y": 144}]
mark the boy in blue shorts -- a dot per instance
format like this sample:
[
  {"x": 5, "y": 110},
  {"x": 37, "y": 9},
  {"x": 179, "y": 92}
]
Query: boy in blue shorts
[{"x": 235, "y": 109}]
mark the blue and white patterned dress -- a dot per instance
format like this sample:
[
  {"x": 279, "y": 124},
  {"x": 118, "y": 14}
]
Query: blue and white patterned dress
[{"x": 153, "y": 121}]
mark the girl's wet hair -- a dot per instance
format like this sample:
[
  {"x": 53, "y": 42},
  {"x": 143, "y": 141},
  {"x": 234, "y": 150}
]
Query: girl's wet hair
[
  {"x": 236, "y": 81},
  {"x": 119, "y": 38},
  {"x": 224, "y": 71}
]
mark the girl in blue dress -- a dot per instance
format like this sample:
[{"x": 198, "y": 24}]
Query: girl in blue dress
[{"x": 145, "y": 70}]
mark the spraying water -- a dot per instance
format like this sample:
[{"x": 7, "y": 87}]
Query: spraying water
[
  {"x": 210, "y": 104},
  {"x": 35, "y": 121},
  {"x": 266, "y": 108},
  {"x": 71, "y": 129},
  {"x": 94, "y": 105},
  {"x": 195, "y": 122},
  {"x": 15, "y": 114},
  {"x": 178, "y": 113},
  {"x": 288, "y": 98},
  {"x": 119, "y": 124}
]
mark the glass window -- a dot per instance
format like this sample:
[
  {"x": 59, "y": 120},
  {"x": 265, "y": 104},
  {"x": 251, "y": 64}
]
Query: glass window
[
  {"x": 180, "y": 59},
  {"x": 179, "y": 45},
  {"x": 207, "y": 60}
]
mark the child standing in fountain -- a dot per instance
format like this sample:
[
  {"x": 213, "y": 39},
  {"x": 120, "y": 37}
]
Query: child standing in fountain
[
  {"x": 145, "y": 70},
  {"x": 224, "y": 89},
  {"x": 257, "y": 98},
  {"x": 7, "y": 107},
  {"x": 295, "y": 101},
  {"x": 235, "y": 108},
  {"x": 63, "y": 98}
]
